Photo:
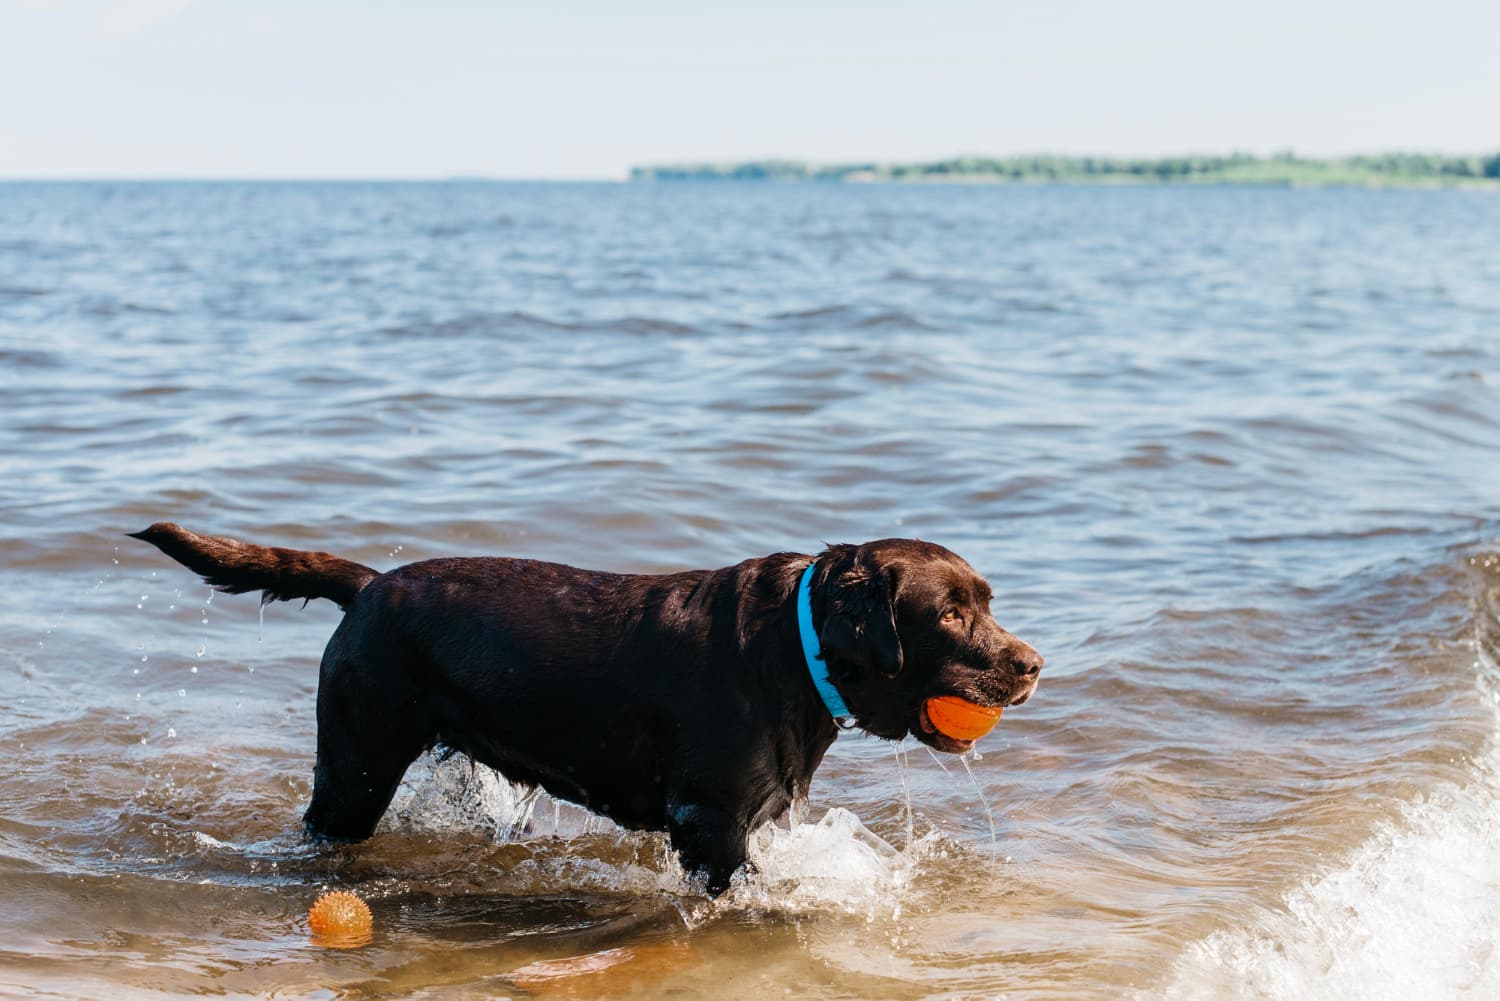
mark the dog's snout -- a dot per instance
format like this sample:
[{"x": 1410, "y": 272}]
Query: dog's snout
[{"x": 1028, "y": 662}]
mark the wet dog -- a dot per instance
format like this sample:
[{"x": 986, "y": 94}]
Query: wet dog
[{"x": 699, "y": 703}]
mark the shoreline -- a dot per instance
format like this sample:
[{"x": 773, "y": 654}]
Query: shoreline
[
  {"x": 1391, "y": 170},
  {"x": 1413, "y": 184}
]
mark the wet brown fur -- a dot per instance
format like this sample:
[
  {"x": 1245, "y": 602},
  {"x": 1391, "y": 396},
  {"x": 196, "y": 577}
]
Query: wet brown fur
[{"x": 677, "y": 702}]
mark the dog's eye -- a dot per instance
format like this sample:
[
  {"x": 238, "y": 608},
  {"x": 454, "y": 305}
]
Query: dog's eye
[{"x": 950, "y": 615}]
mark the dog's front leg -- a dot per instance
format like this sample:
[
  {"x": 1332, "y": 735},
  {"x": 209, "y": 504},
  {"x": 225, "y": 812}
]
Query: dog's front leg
[{"x": 709, "y": 839}]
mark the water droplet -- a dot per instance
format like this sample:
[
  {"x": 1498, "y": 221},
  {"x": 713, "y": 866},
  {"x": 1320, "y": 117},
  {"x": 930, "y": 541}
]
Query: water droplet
[
  {"x": 194, "y": 669},
  {"x": 143, "y": 658},
  {"x": 171, "y": 732},
  {"x": 963, "y": 759},
  {"x": 135, "y": 670},
  {"x": 181, "y": 693},
  {"x": 202, "y": 648}
]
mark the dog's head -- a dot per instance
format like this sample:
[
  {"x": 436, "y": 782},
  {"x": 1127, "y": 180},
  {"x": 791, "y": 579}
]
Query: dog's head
[{"x": 904, "y": 621}]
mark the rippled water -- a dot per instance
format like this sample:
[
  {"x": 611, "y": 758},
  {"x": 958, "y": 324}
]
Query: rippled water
[{"x": 1229, "y": 458}]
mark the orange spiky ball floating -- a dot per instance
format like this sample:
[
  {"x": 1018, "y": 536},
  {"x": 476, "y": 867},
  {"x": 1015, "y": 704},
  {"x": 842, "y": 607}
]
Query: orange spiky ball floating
[
  {"x": 961, "y": 719},
  {"x": 340, "y": 920}
]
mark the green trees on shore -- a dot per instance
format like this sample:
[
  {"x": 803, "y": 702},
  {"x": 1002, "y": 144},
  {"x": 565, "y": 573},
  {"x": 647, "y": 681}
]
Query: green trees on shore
[{"x": 1236, "y": 168}]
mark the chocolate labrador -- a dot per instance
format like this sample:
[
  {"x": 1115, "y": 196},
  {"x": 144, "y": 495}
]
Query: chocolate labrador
[{"x": 699, "y": 703}]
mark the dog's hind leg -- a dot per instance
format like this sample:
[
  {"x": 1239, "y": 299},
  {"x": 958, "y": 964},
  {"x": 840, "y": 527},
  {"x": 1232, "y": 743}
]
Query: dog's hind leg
[{"x": 370, "y": 728}]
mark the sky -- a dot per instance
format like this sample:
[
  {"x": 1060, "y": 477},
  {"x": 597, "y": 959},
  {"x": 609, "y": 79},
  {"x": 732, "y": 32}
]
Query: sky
[{"x": 562, "y": 89}]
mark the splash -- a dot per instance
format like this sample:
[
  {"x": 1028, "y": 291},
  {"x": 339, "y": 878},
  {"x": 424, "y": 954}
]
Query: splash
[
  {"x": 835, "y": 864},
  {"x": 452, "y": 793},
  {"x": 795, "y": 866},
  {"x": 1414, "y": 914}
]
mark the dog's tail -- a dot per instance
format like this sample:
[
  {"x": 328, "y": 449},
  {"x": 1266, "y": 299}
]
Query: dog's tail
[{"x": 279, "y": 574}]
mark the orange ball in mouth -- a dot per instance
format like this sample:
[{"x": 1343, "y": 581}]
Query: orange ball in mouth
[
  {"x": 959, "y": 718},
  {"x": 340, "y": 920}
]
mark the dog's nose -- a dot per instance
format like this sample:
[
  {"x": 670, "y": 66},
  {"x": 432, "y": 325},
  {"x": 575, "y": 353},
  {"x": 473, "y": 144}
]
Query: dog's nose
[{"x": 1028, "y": 662}]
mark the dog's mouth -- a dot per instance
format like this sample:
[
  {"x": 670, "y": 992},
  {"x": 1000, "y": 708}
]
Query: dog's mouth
[{"x": 929, "y": 735}]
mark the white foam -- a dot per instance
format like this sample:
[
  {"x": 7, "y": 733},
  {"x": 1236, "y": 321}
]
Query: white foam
[
  {"x": 835, "y": 863},
  {"x": 1413, "y": 915},
  {"x": 458, "y": 794}
]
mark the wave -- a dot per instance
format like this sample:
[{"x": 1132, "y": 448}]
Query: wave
[
  {"x": 842, "y": 317},
  {"x": 504, "y": 324},
  {"x": 1413, "y": 914}
]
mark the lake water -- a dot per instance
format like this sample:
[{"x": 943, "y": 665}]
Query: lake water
[{"x": 1231, "y": 459}]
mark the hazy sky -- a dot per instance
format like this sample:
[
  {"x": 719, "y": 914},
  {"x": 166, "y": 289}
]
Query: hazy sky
[{"x": 217, "y": 88}]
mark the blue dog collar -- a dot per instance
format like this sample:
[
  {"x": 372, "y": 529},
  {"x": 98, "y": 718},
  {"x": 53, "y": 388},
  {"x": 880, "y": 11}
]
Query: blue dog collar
[{"x": 816, "y": 666}]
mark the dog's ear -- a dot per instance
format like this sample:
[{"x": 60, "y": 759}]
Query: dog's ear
[{"x": 859, "y": 623}]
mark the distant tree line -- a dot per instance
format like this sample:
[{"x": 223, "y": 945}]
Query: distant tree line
[
  {"x": 1427, "y": 165},
  {"x": 1246, "y": 168}
]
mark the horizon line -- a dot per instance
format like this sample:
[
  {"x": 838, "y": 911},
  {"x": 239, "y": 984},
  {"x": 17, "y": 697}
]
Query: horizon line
[
  {"x": 625, "y": 178},
  {"x": 298, "y": 179}
]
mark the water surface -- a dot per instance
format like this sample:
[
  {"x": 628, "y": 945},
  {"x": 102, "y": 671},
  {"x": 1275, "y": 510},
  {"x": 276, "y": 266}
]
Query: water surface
[{"x": 1229, "y": 458}]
